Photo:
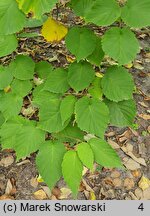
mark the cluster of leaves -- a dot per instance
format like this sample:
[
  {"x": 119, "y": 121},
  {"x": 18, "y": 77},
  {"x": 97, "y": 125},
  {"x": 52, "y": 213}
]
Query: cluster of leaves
[{"x": 70, "y": 103}]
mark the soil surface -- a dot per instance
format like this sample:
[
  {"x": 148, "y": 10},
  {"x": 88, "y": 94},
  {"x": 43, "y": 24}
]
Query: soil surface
[{"x": 18, "y": 180}]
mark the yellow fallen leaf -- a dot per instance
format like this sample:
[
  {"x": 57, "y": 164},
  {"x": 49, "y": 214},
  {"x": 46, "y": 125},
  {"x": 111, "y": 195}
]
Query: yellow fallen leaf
[
  {"x": 53, "y": 31},
  {"x": 144, "y": 183},
  {"x": 40, "y": 195},
  {"x": 99, "y": 74},
  {"x": 39, "y": 179},
  {"x": 70, "y": 59},
  {"x": 130, "y": 65},
  {"x": 7, "y": 89},
  {"x": 92, "y": 196}
]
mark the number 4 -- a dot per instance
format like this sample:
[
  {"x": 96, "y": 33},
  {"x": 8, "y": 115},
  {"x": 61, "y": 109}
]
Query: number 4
[{"x": 141, "y": 207}]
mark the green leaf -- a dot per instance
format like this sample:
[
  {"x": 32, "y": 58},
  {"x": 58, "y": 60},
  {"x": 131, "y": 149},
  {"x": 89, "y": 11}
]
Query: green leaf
[
  {"x": 117, "y": 84},
  {"x": 38, "y": 8},
  {"x": 8, "y": 44},
  {"x": 81, "y": 42},
  {"x": 85, "y": 154},
  {"x": 92, "y": 115},
  {"x": 41, "y": 97},
  {"x": 104, "y": 154},
  {"x": 99, "y": 12},
  {"x": 2, "y": 119},
  {"x": 120, "y": 44},
  {"x": 97, "y": 55},
  {"x": 8, "y": 131},
  {"x": 136, "y": 13},
  {"x": 57, "y": 81},
  {"x": 50, "y": 118},
  {"x": 71, "y": 134},
  {"x": 33, "y": 23},
  {"x": 80, "y": 75},
  {"x": 21, "y": 87},
  {"x": 49, "y": 160},
  {"x": 122, "y": 114},
  {"x": 10, "y": 105},
  {"x": 67, "y": 107},
  {"x": 43, "y": 69},
  {"x": 5, "y": 77},
  {"x": 22, "y": 67},
  {"x": 96, "y": 90},
  {"x": 72, "y": 170},
  {"x": 21, "y": 135},
  {"x": 12, "y": 19}
]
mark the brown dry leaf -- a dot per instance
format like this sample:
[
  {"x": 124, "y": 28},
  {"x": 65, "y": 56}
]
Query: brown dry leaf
[
  {"x": 113, "y": 144},
  {"x": 117, "y": 182},
  {"x": 47, "y": 191},
  {"x": 146, "y": 194},
  {"x": 87, "y": 187},
  {"x": 144, "y": 183},
  {"x": 128, "y": 183},
  {"x": 6, "y": 197},
  {"x": 9, "y": 187},
  {"x": 138, "y": 66},
  {"x": 40, "y": 195},
  {"x": 136, "y": 173},
  {"x": 65, "y": 192},
  {"x": 7, "y": 161},
  {"x": 87, "y": 194},
  {"x": 115, "y": 174},
  {"x": 56, "y": 192},
  {"x": 131, "y": 164},
  {"x": 144, "y": 116},
  {"x": 128, "y": 150},
  {"x": 143, "y": 104},
  {"x": 34, "y": 182},
  {"x": 110, "y": 134},
  {"x": 53, "y": 31}
]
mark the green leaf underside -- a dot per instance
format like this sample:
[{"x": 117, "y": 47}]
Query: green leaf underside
[
  {"x": 21, "y": 135},
  {"x": 81, "y": 42},
  {"x": 5, "y": 77},
  {"x": 22, "y": 67},
  {"x": 122, "y": 113},
  {"x": 80, "y": 75},
  {"x": 57, "y": 81},
  {"x": 117, "y": 84},
  {"x": 49, "y": 160},
  {"x": 92, "y": 116},
  {"x": 97, "y": 55},
  {"x": 50, "y": 117},
  {"x": 12, "y": 19},
  {"x": 96, "y": 90},
  {"x": 136, "y": 13},
  {"x": 67, "y": 108},
  {"x": 99, "y": 12},
  {"x": 72, "y": 170},
  {"x": 71, "y": 134},
  {"x": 120, "y": 44},
  {"x": 43, "y": 69},
  {"x": 38, "y": 8},
  {"x": 104, "y": 154},
  {"x": 21, "y": 87},
  {"x": 85, "y": 154},
  {"x": 10, "y": 105},
  {"x": 8, "y": 44}
]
